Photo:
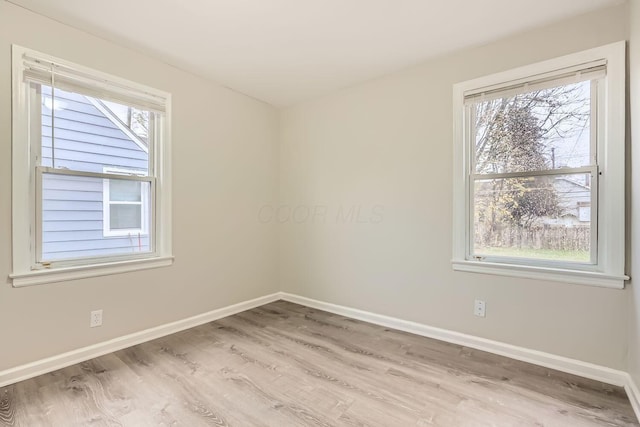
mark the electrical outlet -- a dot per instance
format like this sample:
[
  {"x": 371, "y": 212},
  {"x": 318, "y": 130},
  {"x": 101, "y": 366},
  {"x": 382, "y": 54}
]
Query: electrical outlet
[
  {"x": 479, "y": 308},
  {"x": 96, "y": 318}
]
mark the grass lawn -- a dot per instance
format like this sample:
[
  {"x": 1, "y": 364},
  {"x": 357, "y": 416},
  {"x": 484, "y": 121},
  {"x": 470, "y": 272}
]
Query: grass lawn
[{"x": 550, "y": 254}]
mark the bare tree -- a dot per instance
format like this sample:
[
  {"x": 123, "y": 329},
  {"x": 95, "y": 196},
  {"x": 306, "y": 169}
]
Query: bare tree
[{"x": 517, "y": 134}]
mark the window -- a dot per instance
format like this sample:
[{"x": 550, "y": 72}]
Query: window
[
  {"x": 91, "y": 172},
  {"x": 125, "y": 207},
  {"x": 539, "y": 170}
]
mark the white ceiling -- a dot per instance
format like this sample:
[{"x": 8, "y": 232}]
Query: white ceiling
[{"x": 287, "y": 51}]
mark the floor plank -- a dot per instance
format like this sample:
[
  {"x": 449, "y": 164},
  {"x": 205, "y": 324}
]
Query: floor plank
[{"x": 288, "y": 365}]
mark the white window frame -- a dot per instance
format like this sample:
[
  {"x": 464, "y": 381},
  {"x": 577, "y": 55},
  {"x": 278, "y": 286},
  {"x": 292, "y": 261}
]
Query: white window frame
[
  {"x": 608, "y": 199},
  {"x": 28, "y": 267},
  {"x": 107, "y": 202}
]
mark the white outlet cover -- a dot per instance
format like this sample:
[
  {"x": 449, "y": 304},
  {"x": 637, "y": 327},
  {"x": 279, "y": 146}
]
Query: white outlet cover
[
  {"x": 479, "y": 308},
  {"x": 95, "y": 319}
]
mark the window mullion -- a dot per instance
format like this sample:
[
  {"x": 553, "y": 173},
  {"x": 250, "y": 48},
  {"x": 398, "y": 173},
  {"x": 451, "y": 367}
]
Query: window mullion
[
  {"x": 35, "y": 153},
  {"x": 103, "y": 175},
  {"x": 38, "y": 228},
  {"x": 550, "y": 172},
  {"x": 151, "y": 136},
  {"x": 124, "y": 202},
  {"x": 595, "y": 175},
  {"x": 470, "y": 160}
]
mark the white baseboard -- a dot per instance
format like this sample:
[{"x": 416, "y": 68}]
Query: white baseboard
[
  {"x": 560, "y": 363},
  {"x": 548, "y": 360},
  {"x": 633, "y": 391},
  {"x": 53, "y": 363}
]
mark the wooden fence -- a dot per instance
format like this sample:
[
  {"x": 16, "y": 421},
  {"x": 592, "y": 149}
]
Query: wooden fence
[{"x": 555, "y": 237}]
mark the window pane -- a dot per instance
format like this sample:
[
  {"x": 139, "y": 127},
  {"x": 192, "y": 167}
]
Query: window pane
[
  {"x": 82, "y": 133},
  {"x": 73, "y": 225},
  {"x": 125, "y": 217},
  {"x": 540, "y": 130},
  {"x": 125, "y": 191},
  {"x": 547, "y": 217},
  {"x": 137, "y": 120}
]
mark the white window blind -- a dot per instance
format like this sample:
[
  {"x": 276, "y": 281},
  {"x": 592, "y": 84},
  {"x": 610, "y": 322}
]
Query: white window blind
[
  {"x": 37, "y": 70},
  {"x": 566, "y": 76}
]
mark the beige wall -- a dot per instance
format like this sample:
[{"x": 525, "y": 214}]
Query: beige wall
[
  {"x": 224, "y": 158},
  {"x": 634, "y": 300},
  {"x": 382, "y": 149},
  {"x": 388, "y": 143}
]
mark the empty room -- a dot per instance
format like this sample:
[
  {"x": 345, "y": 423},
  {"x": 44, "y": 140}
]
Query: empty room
[{"x": 319, "y": 213}]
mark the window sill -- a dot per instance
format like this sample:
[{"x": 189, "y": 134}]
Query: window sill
[
  {"x": 589, "y": 278},
  {"x": 63, "y": 274}
]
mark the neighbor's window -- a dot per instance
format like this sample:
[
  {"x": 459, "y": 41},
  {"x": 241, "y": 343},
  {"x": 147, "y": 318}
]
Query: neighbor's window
[
  {"x": 126, "y": 208},
  {"x": 542, "y": 153},
  {"x": 91, "y": 171}
]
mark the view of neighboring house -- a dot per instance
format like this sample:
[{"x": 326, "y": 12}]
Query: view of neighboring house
[
  {"x": 574, "y": 200},
  {"x": 86, "y": 216},
  {"x": 568, "y": 229}
]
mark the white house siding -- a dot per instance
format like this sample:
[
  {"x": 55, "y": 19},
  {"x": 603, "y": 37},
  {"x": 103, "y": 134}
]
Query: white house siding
[
  {"x": 72, "y": 210},
  {"x": 572, "y": 195}
]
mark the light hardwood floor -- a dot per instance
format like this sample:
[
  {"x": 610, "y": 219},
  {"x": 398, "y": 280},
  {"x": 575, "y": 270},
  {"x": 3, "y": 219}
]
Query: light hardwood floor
[{"x": 288, "y": 365}]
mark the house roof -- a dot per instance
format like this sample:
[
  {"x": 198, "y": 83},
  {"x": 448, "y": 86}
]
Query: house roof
[{"x": 104, "y": 109}]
